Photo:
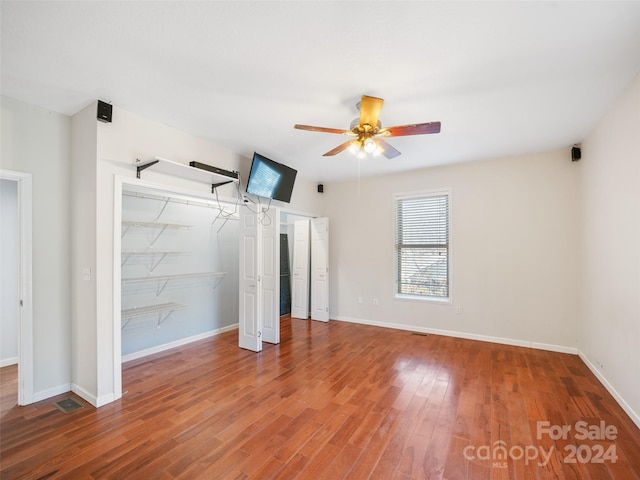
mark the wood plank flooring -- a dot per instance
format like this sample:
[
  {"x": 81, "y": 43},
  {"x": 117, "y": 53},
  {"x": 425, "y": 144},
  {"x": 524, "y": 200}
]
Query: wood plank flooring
[{"x": 332, "y": 401}]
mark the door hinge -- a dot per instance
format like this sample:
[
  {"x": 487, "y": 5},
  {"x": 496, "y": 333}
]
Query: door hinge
[
  {"x": 259, "y": 334},
  {"x": 21, "y": 303}
]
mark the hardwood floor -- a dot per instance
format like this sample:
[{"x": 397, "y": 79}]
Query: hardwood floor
[{"x": 331, "y": 401}]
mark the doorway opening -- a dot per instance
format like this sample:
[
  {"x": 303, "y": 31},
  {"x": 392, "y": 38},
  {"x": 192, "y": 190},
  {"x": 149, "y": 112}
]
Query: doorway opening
[
  {"x": 287, "y": 258},
  {"x": 16, "y": 246}
]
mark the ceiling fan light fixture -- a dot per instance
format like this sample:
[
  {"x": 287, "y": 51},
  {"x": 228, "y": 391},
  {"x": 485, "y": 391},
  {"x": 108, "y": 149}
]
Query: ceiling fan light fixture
[{"x": 370, "y": 146}]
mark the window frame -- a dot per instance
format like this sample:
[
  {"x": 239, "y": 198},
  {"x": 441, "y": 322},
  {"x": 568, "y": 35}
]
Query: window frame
[{"x": 448, "y": 300}]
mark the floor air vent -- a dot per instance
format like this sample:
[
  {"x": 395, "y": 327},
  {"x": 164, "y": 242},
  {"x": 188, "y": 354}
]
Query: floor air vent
[
  {"x": 68, "y": 405},
  {"x": 420, "y": 334}
]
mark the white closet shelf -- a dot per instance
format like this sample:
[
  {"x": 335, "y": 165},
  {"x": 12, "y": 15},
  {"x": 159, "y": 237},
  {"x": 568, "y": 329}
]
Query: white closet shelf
[
  {"x": 152, "y": 253},
  {"x": 126, "y": 281},
  {"x": 135, "y": 223},
  {"x": 158, "y": 225},
  {"x": 164, "y": 279},
  {"x": 129, "y": 313},
  {"x": 184, "y": 201},
  {"x": 200, "y": 172},
  {"x": 168, "y": 308}
]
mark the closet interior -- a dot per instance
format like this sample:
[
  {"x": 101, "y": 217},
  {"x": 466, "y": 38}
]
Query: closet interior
[{"x": 179, "y": 268}]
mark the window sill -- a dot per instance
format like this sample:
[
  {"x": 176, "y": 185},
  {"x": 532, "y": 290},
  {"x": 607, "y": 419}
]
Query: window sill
[{"x": 418, "y": 298}]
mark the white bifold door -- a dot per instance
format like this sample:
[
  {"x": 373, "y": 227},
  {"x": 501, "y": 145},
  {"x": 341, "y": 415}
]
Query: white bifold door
[
  {"x": 259, "y": 278},
  {"x": 320, "y": 269},
  {"x": 270, "y": 278},
  {"x": 310, "y": 270},
  {"x": 300, "y": 270}
]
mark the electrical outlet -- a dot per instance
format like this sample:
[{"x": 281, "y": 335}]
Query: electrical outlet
[
  {"x": 375, "y": 302},
  {"x": 360, "y": 300},
  {"x": 458, "y": 309}
]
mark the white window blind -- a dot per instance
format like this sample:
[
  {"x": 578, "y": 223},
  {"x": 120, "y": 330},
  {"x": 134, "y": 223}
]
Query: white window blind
[{"x": 422, "y": 246}]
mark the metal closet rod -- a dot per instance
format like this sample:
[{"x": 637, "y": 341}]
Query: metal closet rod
[{"x": 174, "y": 200}]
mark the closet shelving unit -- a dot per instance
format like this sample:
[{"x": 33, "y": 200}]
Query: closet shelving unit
[
  {"x": 197, "y": 171},
  {"x": 167, "y": 308}
]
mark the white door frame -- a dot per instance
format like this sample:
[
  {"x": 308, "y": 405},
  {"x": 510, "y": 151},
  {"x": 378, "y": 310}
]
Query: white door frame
[{"x": 25, "y": 321}]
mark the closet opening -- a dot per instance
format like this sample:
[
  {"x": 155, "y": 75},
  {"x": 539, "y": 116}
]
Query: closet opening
[
  {"x": 178, "y": 269},
  {"x": 287, "y": 249}
]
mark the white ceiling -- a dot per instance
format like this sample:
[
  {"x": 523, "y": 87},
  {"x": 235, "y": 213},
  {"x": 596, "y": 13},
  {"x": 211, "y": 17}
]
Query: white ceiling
[{"x": 503, "y": 78}]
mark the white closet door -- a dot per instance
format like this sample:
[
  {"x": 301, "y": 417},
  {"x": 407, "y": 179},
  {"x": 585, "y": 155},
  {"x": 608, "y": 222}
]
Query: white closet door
[
  {"x": 250, "y": 321},
  {"x": 270, "y": 275},
  {"x": 320, "y": 269},
  {"x": 300, "y": 270}
]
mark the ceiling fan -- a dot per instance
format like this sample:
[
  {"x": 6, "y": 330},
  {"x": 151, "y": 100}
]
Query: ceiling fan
[{"x": 368, "y": 131}]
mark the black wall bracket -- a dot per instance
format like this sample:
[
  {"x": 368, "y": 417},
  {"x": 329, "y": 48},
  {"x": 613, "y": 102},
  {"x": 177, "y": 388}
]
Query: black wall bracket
[
  {"x": 140, "y": 168},
  {"x": 216, "y": 185}
]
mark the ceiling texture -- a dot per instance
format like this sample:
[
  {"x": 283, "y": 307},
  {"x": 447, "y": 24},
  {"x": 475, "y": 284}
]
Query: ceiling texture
[{"x": 504, "y": 78}]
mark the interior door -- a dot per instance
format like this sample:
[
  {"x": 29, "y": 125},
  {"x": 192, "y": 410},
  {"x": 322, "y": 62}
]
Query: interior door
[
  {"x": 270, "y": 275},
  {"x": 320, "y": 269},
  {"x": 300, "y": 270},
  {"x": 250, "y": 321}
]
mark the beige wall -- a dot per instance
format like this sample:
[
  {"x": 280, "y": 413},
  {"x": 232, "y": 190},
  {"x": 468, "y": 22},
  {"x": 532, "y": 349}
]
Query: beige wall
[
  {"x": 514, "y": 235},
  {"x": 84, "y": 338},
  {"x": 36, "y": 140},
  {"x": 610, "y": 301}
]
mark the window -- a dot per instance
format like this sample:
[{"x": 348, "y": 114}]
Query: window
[{"x": 422, "y": 245}]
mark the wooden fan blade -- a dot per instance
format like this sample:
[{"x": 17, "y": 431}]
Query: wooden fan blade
[
  {"x": 339, "y": 148},
  {"x": 370, "y": 108},
  {"x": 414, "y": 129},
  {"x": 323, "y": 129},
  {"x": 387, "y": 150}
]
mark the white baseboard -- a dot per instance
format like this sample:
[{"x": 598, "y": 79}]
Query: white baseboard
[
  {"x": 104, "y": 399},
  {"x": 177, "y": 343},
  {"x": 82, "y": 393},
  {"x": 5, "y": 362},
  {"x": 554, "y": 348},
  {"x": 51, "y": 392},
  {"x": 469, "y": 336},
  {"x": 621, "y": 401},
  {"x": 91, "y": 398}
]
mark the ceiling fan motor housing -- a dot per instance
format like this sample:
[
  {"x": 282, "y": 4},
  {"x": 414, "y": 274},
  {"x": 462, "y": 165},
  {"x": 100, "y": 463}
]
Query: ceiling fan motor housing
[{"x": 355, "y": 123}]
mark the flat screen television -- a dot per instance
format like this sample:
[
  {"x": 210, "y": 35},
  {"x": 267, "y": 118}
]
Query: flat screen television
[{"x": 270, "y": 179}]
